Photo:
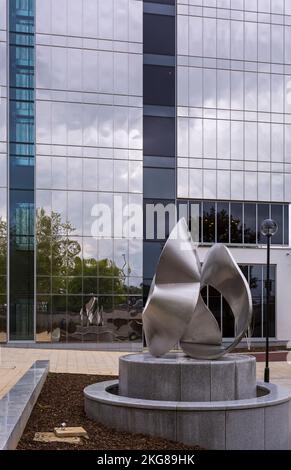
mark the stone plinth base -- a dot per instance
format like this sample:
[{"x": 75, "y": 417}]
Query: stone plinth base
[
  {"x": 213, "y": 404},
  {"x": 176, "y": 377},
  {"x": 262, "y": 423}
]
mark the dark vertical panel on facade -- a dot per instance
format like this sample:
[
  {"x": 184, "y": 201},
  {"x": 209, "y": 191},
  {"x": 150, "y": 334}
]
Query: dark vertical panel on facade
[
  {"x": 286, "y": 224},
  {"x": 159, "y": 119},
  {"x": 21, "y": 168}
]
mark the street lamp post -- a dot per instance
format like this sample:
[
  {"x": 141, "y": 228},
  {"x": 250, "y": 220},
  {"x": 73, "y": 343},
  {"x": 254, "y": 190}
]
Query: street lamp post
[{"x": 268, "y": 228}]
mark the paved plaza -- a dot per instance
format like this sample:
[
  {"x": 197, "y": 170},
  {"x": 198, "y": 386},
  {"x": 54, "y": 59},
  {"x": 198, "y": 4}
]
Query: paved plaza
[{"x": 14, "y": 362}]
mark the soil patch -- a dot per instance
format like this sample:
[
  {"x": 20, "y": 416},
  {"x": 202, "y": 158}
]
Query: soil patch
[{"x": 61, "y": 401}]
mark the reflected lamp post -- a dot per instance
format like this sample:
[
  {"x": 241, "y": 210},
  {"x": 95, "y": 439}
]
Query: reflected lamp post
[{"x": 268, "y": 228}]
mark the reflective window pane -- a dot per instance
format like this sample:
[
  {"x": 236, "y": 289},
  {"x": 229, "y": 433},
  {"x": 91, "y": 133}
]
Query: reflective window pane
[
  {"x": 264, "y": 92},
  {"x": 237, "y": 140},
  {"x": 250, "y": 226},
  {"x": 196, "y": 139},
  {"x": 209, "y": 37},
  {"x": 277, "y": 215},
  {"x": 209, "y": 88},
  {"x": 223, "y": 89},
  {"x": 222, "y": 222},
  {"x": 264, "y": 45},
  {"x": 277, "y": 98},
  {"x": 237, "y": 90},
  {"x": 236, "y": 219},
  {"x": 251, "y": 140},
  {"x": 159, "y": 136},
  {"x": 159, "y": 34},
  {"x": 195, "y": 36},
  {"x": 159, "y": 183},
  {"x": 209, "y": 128},
  {"x": 272, "y": 301},
  {"x": 59, "y": 318},
  {"x": 277, "y": 47},
  {"x": 251, "y": 91},
  {"x": 210, "y": 184},
  {"x": 151, "y": 253},
  {"x": 215, "y": 304},
  {"x": 264, "y": 141},
  {"x": 263, "y": 213},
  {"x": 223, "y": 139},
  {"x": 251, "y": 40},
  {"x": 255, "y": 282},
  {"x": 159, "y": 85},
  {"x": 286, "y": 224},
  {"x": 209, "y": 222},
  {"x": 227, "y": 320},
  {"x": 223, "y": 39},
  {"x": 223, "y": 184},
  {"x": 237, "y": 40}
]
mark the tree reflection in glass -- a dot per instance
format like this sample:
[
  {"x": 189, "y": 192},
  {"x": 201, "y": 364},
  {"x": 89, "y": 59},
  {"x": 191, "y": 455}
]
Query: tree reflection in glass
[
  {"x": 3, "y": 279},
  {"x": 209, "y": 217},
  {"x": 236, "y": 223},
  {"x": 223, "y": 222},
  {"x": 102, "y": 307},
  {"x": 250, "y": 231}
]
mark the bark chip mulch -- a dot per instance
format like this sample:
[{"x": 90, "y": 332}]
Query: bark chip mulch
[{"x": 61, "y": 400}]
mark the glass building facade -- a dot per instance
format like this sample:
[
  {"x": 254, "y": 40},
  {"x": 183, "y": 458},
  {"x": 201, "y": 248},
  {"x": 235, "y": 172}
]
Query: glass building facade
[
  {"x": 3, "y": 172},
  {"x": 88, "y": 151},
  {"x": 234, "y": 115},
  {"x": 21, "y": 169},
  {"x": 129, "y": 102}
]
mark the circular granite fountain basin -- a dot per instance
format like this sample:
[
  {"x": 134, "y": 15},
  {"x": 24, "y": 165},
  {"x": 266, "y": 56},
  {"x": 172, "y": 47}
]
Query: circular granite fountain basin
[{"x": 163, "y": 404}]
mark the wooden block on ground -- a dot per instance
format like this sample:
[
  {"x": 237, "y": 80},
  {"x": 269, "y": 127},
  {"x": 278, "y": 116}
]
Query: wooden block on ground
[
  {"x": 51, "y": 437},
  {"x": 77, "y": 431}
]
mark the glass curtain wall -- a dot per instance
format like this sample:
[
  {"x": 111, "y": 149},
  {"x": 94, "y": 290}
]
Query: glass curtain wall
[
  {"x": 234, "y": 115},
  {"x": 88, "y": 163},
  {"x": 3, "y": 173},
  {"x": 21, "y": 168}
]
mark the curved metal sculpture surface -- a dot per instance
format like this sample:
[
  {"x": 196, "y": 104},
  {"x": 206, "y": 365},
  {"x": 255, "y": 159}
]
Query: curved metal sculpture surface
[{"x": 175, "y": 311}]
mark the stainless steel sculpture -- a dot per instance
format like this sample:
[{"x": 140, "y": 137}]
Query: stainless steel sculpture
[{"x": 175, "y": 311}]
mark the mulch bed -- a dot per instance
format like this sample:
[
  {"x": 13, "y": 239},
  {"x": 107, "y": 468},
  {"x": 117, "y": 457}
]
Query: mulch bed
[{"x": 61, "y": 400}]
